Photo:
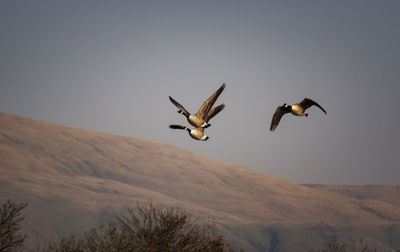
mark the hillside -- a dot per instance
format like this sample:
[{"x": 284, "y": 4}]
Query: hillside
[
  {"x": 384, "y": 193},
  {"x": 74, "y": 179}
]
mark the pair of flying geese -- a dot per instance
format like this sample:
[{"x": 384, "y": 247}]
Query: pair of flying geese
[{"x": 206, "y": 112}]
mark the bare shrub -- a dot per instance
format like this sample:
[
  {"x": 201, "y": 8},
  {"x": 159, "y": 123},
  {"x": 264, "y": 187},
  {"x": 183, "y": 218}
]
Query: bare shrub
[
  {"x": 11, "y": 237},
  {"x": 347, "y": 246},
  {"x": 148, "y": 227}
]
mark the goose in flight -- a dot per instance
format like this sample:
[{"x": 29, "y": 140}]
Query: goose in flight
[
  {"x": 200, "y": 119},
  {"x": 196, "y": 133},
  {"x": 297, "y": 109}
]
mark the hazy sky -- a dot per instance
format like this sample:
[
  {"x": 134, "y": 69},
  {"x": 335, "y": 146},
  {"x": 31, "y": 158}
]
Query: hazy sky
[{"x": 110, "y": 66}]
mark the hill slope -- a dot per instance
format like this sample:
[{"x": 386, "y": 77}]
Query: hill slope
[
  {"x": 385, "y": 193},
  {"x": 73, "y": 179}
]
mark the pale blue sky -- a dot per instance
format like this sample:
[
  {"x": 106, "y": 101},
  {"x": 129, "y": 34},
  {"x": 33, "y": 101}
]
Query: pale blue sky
[{"x": 110, "y": 66}]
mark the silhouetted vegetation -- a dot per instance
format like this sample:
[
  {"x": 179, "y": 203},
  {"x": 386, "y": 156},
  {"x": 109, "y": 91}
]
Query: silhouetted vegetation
[
  {"x": 11, "y": 237},
  {"x": 148, "y": 227},
  {"x": 350, "y": 245}
]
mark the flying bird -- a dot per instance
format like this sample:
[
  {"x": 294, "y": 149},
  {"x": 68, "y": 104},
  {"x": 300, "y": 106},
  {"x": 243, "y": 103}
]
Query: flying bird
[
  {"x": 297, "y": 109},
  {"x": 205, "y": 113},
  {"x": 196, "y": 133}
]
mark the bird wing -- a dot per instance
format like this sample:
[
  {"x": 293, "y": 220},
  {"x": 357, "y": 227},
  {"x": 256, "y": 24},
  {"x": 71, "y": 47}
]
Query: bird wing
[
  {"x": 306, "y": 103},
  {"x": 179, "y": 106},
  {"x": 213, "y": 112},
  {"x": 205, "y": 108},
  {"x": 276, "y": 118}
]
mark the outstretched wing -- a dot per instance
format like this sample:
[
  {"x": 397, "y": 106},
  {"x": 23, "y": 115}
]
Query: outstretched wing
[
  {"x": 276, "y": 118},
  {"x": 306, "y": 103},
  {"x": 179, "y": 106},
  {"x": 213, "y": 112},
  {"x": 205, "y": 108}
]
